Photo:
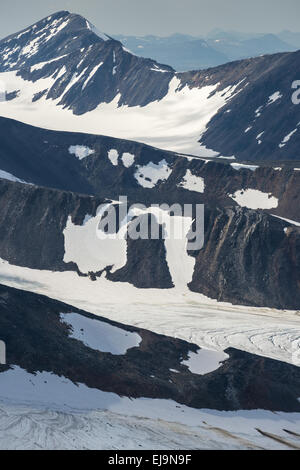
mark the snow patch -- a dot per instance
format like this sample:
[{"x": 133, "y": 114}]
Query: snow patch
[
  {"x": 205, "y": 361},
  {"x": 254, "y": 199},
  {"x": 128, "y": 159},
  {"x": 174, "y": 123},
  {"x": 92, "y": 253},
  {"x": 175, "y": 312},
  {"x": 192, "y": 182},
  {"x": 258, "y": 111},
  {"x": 158, "y": 69},
  {"x": 96, "y": 31},
  {"x": 239, "y": 166},
  {"x": 288, "y": 137},
  {"x": 80, "y": 151},
  {"x": 149, "y": 175},
  {"x": 273, "y": 98},
  {"x": 8, "y": 176},
  {"x": 258, "y": 137},
  {"x": 41, "y": 65},
  {"x": 99, "y": 335},
  {"x": 292, "y": 222}
]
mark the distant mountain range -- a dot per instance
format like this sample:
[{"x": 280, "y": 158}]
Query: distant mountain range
[{"x": 184, "y": 52}]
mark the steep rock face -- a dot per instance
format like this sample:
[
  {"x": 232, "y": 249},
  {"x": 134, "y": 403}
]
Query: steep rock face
[
  {"x": 32, "y": 224},
  {"x": 38, "y": 339},
  {"x": 146, "y": 265},
  {"x": 238, "y": 45},
  {"x": 249, "y": 258}
]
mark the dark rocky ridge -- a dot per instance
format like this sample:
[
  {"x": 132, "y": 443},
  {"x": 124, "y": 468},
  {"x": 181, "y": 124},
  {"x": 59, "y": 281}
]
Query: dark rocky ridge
[
  {"x": 72, "y": 52},
  {"x": 33, "y": 220},
  {"x": 42, "y": 157},
  {"x": 37, "y": 340},
  {"x": 247, "y": 257}
]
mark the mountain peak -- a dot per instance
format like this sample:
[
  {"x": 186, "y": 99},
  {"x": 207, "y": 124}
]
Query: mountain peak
[
  {"x": 79, "y": 60},
  {"x": 96, "y": 31},
  {"x": 58, "y": 34}
]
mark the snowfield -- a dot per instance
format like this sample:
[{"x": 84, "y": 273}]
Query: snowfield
[
  {"x": 128, "y": 159},
  {"x": 176, "y": 122}
]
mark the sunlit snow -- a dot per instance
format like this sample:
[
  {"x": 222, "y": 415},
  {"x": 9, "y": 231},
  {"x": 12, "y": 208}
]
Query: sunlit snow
[
  {"x": 149, "y": 175},
  {"x": 192, "y": 182},
  {"x": 254, "y": 199},
  {"x": 99, "y": 335},
  {"x": 205, "y": 361},
  {"x": 80, "y": 151}
]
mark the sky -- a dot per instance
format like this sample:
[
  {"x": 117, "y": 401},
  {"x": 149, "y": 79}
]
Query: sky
[{"x": 159, "y": 17}]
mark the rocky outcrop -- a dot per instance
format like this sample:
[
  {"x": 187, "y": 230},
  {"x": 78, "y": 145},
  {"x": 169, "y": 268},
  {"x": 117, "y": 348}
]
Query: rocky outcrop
[
  {"x": 248, "y": 258},
  {"x": 146, "y": 265}
]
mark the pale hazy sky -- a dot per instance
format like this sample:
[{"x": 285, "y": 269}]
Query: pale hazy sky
[{"x": 160, "y": 17}]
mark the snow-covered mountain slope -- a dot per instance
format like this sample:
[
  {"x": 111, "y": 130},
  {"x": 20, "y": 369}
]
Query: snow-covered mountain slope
[
  {"x": 61, "y": 74},
  {"x": 77, "y": 381},
  {"x": 249, "y": 257}
]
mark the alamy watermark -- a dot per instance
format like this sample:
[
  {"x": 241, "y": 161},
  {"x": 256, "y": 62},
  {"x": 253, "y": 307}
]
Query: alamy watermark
[
  {"x": 168, "y": 222},
  {"x": 2, "y": 353},
  {"x": 296, "y": 94}
]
